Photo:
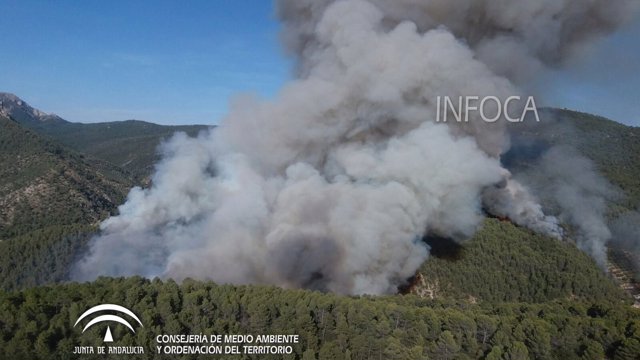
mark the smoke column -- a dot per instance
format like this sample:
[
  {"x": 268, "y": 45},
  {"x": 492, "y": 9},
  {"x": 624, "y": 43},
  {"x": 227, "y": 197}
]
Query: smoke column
[{"x": 332, "y": 185}]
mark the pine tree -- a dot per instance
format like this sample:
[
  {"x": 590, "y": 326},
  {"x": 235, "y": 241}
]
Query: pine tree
[
  {"x": 446, "y": 346},
  {"x": 628, "y": 350},
  {"x": 517, "y": 351}
]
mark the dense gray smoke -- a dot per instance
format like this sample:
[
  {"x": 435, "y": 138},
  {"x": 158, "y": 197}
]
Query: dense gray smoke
[
  {"x": 332, "y": 185},
  {"x": 513, "y": 37}
]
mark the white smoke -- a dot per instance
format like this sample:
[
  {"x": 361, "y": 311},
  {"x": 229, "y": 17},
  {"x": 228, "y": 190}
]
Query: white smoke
[
  {"x": 332, "y": 185},
  {"x": 510, "y": 199}
]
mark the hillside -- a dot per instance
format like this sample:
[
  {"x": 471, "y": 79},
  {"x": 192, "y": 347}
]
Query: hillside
[
  {"x": 506, "y": 263},
  {"x": 43, "y": 183},
  {"x": 613, "y": 147},
  {"x": 130, "y": 145},
  {"x": 47, "y": 192}
]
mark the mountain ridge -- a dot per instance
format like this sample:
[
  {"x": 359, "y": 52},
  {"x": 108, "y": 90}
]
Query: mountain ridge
[
  {"x": 39, "y": 174},
  {"x": 129, "y": 144},
  {"x": 14, "y": 107}
]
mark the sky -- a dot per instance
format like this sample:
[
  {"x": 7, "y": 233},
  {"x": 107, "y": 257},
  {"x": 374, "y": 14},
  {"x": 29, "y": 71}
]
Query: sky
[
  {"x": 176, "y": 62},
  {"x": 161, "y": 61},
  {"x": 606, "y": 81}
]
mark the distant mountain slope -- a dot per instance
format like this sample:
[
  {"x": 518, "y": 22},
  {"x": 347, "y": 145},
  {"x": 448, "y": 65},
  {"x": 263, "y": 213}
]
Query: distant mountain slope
[
  {"x": 613, "y": 147},
  {"x": 129, "y": 144},
  {"x": 14, "y": 107},
  {"x": 58, "y": 180},
  {"x": 51, "y": 199},
  {"x": 42, "y": 183}
]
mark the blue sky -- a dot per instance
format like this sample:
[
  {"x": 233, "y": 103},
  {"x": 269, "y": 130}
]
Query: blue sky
[
  {"x": 175, "y": 62},
  {"x": 154, "y": 60},
  {"x": 606, "y": 82}
]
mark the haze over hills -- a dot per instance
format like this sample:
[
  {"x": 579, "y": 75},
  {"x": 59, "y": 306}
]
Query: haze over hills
[
  {"x": 130, "y": 145},
  {"x": 613, "y": 147}
]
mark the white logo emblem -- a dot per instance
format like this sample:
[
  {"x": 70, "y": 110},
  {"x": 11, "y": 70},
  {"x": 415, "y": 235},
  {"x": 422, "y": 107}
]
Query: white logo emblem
[{"x": 101, "y": 318}]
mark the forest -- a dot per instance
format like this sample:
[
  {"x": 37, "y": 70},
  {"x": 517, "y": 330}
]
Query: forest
[{"x": 38, "y": 323}]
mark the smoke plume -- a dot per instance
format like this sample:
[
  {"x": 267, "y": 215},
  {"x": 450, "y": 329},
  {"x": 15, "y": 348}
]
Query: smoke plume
[
  {"x": 568, "y": 183},
  {"x": 332, "y": 185}
]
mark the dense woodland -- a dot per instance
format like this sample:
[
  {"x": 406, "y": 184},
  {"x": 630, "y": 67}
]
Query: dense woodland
[
  {"x": 503, "y": 262},
  {"x": 38, "y": 323},
  {"x": 41, "y": 256}
]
